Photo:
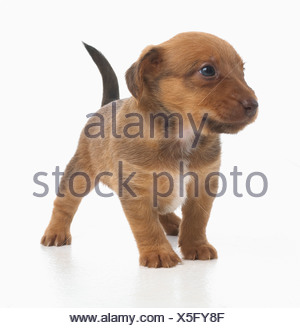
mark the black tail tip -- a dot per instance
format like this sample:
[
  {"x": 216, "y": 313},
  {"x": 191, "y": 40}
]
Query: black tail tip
[
  {"x": 91, "y": 50},
  {"x": 86, "y": 45}
]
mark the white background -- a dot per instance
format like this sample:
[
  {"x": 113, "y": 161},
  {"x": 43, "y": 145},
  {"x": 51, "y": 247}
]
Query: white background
[{"x": 49, "y": 83}]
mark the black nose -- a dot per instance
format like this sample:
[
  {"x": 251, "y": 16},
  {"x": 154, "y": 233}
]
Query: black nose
[{"x": 250, "y": 106}]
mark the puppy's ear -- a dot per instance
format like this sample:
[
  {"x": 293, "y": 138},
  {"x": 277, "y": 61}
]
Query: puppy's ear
[{"x": 147, "y": 67}]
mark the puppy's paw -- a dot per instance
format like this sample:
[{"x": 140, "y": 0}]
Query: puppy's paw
[
  {"x": 160, "y": 258},
  {"x": 55, "y": 237},
  {"x": 203, "y": 251}
]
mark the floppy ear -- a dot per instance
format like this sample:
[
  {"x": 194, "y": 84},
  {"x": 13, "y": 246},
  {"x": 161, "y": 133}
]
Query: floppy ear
[{"x": 147, "y": 66}]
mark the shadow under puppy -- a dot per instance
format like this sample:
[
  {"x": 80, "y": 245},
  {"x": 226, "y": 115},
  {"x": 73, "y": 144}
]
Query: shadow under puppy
[{"x": 197, "y": 81}]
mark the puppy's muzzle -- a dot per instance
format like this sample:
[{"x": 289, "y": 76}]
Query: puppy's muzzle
[{"x": 250, "y": 106}]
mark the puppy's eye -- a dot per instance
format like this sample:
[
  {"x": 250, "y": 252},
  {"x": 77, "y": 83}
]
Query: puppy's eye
[{"x": 208, "y": 71}]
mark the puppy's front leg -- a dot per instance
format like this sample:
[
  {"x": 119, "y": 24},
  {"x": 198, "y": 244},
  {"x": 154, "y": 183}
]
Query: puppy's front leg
[
  {"x": 195, "y": 215},
  {"x": 155, "y": 250}
]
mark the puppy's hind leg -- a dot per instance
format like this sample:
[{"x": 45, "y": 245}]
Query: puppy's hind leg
[
  {"x": 76, "y": 183},
  {"x": 170, "y": 223}
]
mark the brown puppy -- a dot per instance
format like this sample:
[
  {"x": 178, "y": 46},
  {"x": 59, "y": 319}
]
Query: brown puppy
[{"x": 197, "y": 81}]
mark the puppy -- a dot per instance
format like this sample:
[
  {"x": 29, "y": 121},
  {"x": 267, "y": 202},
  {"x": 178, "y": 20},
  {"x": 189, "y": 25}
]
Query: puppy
[{"x": 160, "y": 149}]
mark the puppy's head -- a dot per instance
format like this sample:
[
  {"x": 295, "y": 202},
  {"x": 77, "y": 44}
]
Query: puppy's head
[{"x": 195, "y": 73}]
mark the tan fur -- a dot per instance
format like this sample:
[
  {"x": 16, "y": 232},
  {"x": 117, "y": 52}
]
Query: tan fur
[{"x": 165, "y": 79}]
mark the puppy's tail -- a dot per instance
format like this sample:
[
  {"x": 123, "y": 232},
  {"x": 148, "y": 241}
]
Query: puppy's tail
[{"x": 109, "y": 78}]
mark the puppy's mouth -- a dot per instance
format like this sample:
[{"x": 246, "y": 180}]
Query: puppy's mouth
[
  {"x": 233, "y": 120},
  {"x": 230, "y": 128}
]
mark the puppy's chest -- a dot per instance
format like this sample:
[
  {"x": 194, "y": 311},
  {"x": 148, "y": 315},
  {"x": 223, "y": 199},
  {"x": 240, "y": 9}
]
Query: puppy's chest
[
  {"x": 171, "y": 188},
  {"x": 174, "y": 151}
]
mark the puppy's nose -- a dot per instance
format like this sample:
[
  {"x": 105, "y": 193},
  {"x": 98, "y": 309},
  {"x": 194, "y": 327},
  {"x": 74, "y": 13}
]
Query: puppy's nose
[{"x": 250, "y": 106}]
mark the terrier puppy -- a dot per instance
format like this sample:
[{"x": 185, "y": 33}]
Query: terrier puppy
[{"x": 160, "y": 148}]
